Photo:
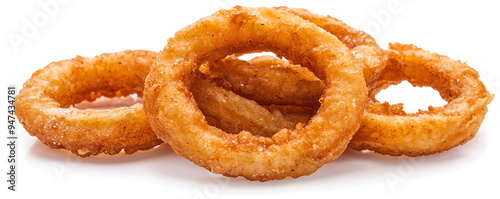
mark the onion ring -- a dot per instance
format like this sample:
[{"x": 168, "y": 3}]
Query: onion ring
[
  {"x": 175, "y": 117},
  {"x": 361, "y": 44},
  {"x": 387, "y": 129},
  {"x": 43, "y": 105}
]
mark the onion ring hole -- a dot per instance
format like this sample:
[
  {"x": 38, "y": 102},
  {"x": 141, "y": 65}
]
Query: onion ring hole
[
  {"x": 256, "y": 74},
  {"x": 249, "y": 56},
  {"x": 106, "y": 103},
  {"x": 412, "y": 98}
]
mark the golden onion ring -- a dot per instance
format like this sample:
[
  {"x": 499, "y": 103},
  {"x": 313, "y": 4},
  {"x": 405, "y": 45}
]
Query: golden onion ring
[
  {"x": 387, "y": 129},
  {"x": 43, "y": 105},
  {"x": 176, "y": 118}
]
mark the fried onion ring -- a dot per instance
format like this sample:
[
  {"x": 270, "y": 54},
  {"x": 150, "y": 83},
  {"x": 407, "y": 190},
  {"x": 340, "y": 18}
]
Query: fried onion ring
[
  {"x": 387, "y": 129},
  {"x": 43, "y": 105},
  {"x": 176, "y": 118},
  {"x": 361, "y": 44}
]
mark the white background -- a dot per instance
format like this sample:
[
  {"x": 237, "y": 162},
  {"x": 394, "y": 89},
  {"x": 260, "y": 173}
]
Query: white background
[{"x": 462, "y": 30}]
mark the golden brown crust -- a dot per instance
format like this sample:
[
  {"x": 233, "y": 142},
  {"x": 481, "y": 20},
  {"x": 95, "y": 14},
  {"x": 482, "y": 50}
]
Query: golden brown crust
[
  {"x": 362, "y": 45},
  {"x": 233, "y": 113},
  {"x": 43, "y": 105},
  {"x": 255, "y": 80},
  {"x": 175, "y": 117},
  {"x": 387, "y": 129}
]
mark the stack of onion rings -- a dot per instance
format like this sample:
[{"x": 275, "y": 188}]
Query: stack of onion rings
[
  {"x": 44, "y": 105},
  {"x": 175, "y": 116},
  {"x": 387, "y": 129},
  {"x": 382, "y": 135},
  {"x": 263, "y": 119}
]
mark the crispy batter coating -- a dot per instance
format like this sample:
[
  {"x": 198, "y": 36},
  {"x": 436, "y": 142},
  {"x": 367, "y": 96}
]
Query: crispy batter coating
[
  {"x": 43, "y": 105},
  {"x": 254, "y": 80},
  {"x": 215, "y": 102},
  {"x": 174, "y": 115},
  {"x": 387, "y": 129},
  {"x": 233, "y": 113},
  {"x": 362, "y": 45},
  {"x": 295, "y": 114}
]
